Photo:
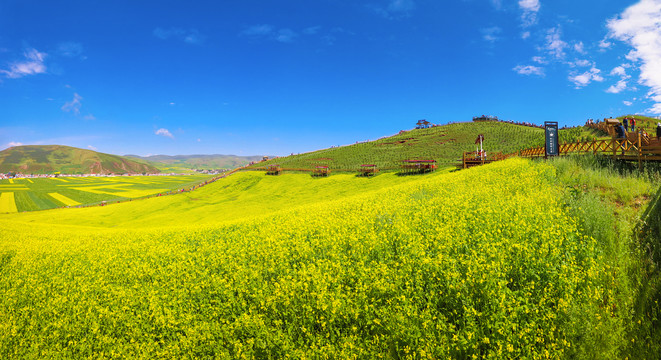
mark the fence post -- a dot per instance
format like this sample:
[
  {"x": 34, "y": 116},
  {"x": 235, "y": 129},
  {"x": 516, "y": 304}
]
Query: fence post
[
  {"x": 594, "y": 146},
  {"x": 613, "y": 146},
  {"x": 640, "y": 151}
]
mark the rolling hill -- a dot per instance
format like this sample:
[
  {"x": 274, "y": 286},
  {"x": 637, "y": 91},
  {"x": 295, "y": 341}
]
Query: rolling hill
[
  {"x": 199, "y": 162},
  {"x": 445, "y": 144},
  {"x": 48, "y": 159}
]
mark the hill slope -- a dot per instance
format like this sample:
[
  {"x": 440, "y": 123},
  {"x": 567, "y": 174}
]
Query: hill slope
[
  {"x": 215, "y": 161},
  {"x": 48, "y": 159},
  {"x": 445, "y": 144}
]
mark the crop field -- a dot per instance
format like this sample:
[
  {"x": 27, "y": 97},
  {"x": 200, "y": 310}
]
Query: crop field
[
  {"x": 47, "y": 193},
  {"x": 445, "y": 144},
  {"x": 482, "y": 263}
]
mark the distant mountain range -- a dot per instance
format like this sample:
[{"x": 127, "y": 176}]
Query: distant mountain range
[
  {"x": 199, "y": 162},
  {"x": 48, "y": 159}
]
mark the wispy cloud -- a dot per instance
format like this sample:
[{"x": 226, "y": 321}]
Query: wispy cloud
[
  {"x": 579, "y": 47},
  {"x": 582, "y": 80},
  {"x": 92, "y": 147},
  {"x": 258, "y": 30},
  {"x": 286, "y": 36},
  {"x": 190, "y": 36},
  {"x": 529, "y": 9},
  {"x": 491, "y": 34},
  {"x": 618, "y": 87},
  {"x": 13, "y": 143},
  {"x": 555, "y": 46},
  {"x": 70, "y": 49},
  {"x": 639, "y": 27},
  {"x": 164, "y": 132},
  {"x": 394, "y": 9},
  {"x": 31, "y": 65},
  {"x": 312, "y": 30},
  {"x": 266, "y": 31},
  {"x": 73, "y": 105},
  {"x": 529, "y": 70},
  {"x": 627, "y": 103}
]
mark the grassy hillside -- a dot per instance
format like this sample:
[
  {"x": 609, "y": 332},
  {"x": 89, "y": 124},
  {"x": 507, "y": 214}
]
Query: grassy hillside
[
  {"x": 445, "y": 144},
  {"x": 48, "y": 159},
  {"x": 200, "y": 162},
  {"x": 508, "y": 260},
  {"x": 644, "y": 122}
]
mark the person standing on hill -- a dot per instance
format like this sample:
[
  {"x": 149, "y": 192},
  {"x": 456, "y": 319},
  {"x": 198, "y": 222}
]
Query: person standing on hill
[
  {"x": 658, "y": 131},
  {"x": 633, "y": 124},
  {"x": 625, "y": 121}
]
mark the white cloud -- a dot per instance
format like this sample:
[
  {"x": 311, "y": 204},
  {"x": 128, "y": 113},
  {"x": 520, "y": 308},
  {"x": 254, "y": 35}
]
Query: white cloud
[
  {"x": 89, "y": 117},
  {"x": 33, "y": 64},
  {"x": 164, "y": 132},
  {"x": 579, "y": 47},
  {"x": 581, "y": 63},
  {"x": 530, "y": 9},
  {"x": 640, "y": 27},
  {"x": 73, "y": 105},
  {"x": 14, "y": 143},
  {"x": 587, "y": 77},
  {"x": 529, "y": 70},
  {"x": 191, "y": 36},
  {"x": 617, "y": 88},
  {"x": 525, "y": 35},
  {"x": 554, "y": 45},
  {"x": 627, "y": 103},
  {"x": 618, "y": 70},
  {"x": 605, "y": 44},
  {"x": 539, "y": 60},
  {"x": 92, "y": 147},
  {"x": 491, "y": 34}
]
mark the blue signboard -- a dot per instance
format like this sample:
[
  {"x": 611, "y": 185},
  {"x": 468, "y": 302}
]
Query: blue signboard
[{"x": 552, "y": 141}]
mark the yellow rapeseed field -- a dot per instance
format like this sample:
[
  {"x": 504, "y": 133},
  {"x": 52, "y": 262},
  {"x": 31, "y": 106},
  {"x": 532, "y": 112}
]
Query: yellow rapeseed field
[{"x": 482, "y": 263}]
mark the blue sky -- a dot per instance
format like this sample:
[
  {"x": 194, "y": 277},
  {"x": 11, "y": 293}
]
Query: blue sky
[{"x": 274, "y": 77}]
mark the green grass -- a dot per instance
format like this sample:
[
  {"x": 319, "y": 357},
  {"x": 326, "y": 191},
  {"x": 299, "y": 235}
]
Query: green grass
[
  {"x": 30, "y": 196},
  {"x": 445, "y": 144}
]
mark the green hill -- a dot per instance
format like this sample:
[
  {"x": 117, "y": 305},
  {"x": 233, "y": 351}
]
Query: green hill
[
  {"x": 199, "y": 162},
  {"x": 48, "y": 159},
  {"x": 445, "y": 144}
]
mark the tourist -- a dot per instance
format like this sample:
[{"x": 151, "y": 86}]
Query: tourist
[
  {"x": 633, "y": 124},
  {"x": 621, "y": 134},
  {"x": 625, "y": 121},
  {"x": 658, "y": 131}
]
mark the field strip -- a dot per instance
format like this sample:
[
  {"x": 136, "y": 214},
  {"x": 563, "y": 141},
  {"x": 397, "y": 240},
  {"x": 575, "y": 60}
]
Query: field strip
[
  {"x": 63, "y": 199},
  {"x": 11, "y": 181},
  {"x": 57, "y": 178},
  {"x": 31, "y": 182},
  {"x": 7, "y": 203},
  {"x": 128, "y": 193},
  {"x": 13, "y": 187}
]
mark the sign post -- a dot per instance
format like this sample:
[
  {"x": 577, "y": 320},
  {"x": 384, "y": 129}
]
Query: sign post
[{"x": 552, "y": 141}]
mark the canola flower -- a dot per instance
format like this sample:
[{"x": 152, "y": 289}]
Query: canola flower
[{"x": 483, "y": 263}]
